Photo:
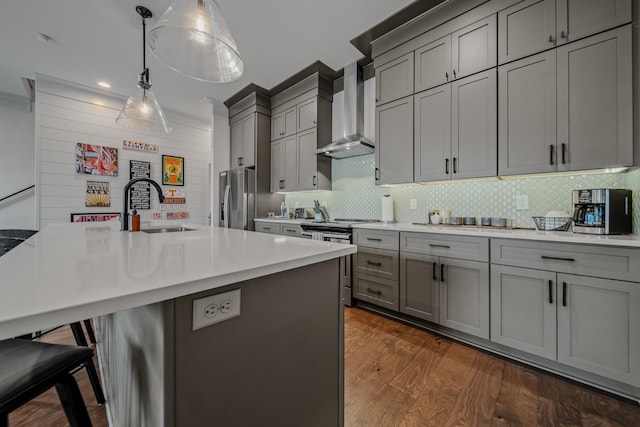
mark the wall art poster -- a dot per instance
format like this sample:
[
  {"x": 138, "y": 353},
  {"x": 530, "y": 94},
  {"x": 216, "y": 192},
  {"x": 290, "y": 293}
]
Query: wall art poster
[
  {"x": 174, "y": 200},
  {"x": 95, "y": 217},
  {"x": 172, "y": 170},
  {"x": 139, "y": 146},
  {"x": 140, "y": 193},
  {"x": 94, "y": 159},
  {"x": 178, "y": 215},
  {"x": 98, "y": 194}
]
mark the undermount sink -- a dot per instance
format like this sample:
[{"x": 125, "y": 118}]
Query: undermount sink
[{"x": 166, "y": 229}]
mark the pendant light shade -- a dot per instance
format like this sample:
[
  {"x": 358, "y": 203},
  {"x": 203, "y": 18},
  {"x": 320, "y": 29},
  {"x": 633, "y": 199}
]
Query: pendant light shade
[
  {"x": 193, "y": 38},
  {"x": 142, "y": 112}
]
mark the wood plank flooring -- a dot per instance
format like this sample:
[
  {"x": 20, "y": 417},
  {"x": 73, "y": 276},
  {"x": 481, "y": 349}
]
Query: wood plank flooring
[{"x": 399, "y": 375}]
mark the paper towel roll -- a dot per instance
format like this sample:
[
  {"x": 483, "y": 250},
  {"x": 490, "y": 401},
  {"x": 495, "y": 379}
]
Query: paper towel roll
[{"x": 387, "y": 209}]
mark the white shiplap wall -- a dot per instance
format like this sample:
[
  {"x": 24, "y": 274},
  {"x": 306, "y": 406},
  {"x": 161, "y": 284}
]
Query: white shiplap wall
[{"x": 67, "y": 113}]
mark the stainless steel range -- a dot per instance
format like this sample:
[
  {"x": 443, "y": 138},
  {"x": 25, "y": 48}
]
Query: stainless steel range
[{"x": 338, "y": 231}]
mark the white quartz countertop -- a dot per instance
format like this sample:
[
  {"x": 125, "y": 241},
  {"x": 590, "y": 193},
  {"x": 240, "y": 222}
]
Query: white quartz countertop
[
  {"x": 72, "y": 272},
  {"x": 632, "y": 240}
]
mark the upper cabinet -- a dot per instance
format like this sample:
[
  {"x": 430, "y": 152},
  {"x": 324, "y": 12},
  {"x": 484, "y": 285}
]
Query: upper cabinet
[
  {"x": 467, "y": 51},
  {"x": 301, "y": 123},
  {"x": 532, "y": 26},
  {"x": 249, "y": 121},
  {"x": 394, "y": 79},
  {"x": 243, "y": 134},
  {"x": 394, "y": 142}
]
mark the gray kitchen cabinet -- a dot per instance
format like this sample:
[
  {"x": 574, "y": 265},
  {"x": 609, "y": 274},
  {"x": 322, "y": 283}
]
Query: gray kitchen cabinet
[
  {"x": 307, "y": 114},
  {"x": 376, "y": 239},
  {"x": 284, "y": 164},
  {"x": 376, "y": 267},
  {"x": 464, "y": 296},
  {"x": 394, "y": 79},
  {"x": 432, "y": 134},
  {"x": 474, "y": 119},
  {"x": 377, "y": 262},
  {"x": 378, "y": 291},
  {"x": 243, "y": 142},
  {"x": 293, "y": 230},
  {"x": 456, "y": 129},
  {"x": 527, "y": 115},
  {"x": 277, "y": 166},
  {"x": 420, "y": 286},
  {"x": 523, "y": 309},
  {"x": 313, "y": 171},
  {"x": 465, "y": 52},
  {"x": 598, "y": 322},
  {"x": 394, "y": 145},
  {"x": 595, "y": 105},
  {"x": 532, "y": 26},
  {"x": 283, "y": 123},
  {"x": 267, "y": 227}
]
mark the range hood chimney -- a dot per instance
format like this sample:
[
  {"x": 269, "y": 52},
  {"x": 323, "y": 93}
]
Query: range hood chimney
[{"x": 353, "y": 143}]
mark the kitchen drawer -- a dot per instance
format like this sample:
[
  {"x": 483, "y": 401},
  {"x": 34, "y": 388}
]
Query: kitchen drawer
[
  {"x": 588, "y": 260},
  {"x": 378, "y": 262},
  {"x": 291, "y": 230},
  {"x": 461, "y": 247},
  {"x": 377, "y": 239},
  {"x": 382, "y": 292},
  {"x": 266, "y": 227}
]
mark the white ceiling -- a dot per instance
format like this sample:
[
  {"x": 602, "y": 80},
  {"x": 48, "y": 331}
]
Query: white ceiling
[{"x": 95, "y": 40}]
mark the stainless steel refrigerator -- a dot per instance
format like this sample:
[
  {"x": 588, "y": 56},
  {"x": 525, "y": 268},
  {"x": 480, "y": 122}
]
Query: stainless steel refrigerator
[{"x": 238, "y": 199}]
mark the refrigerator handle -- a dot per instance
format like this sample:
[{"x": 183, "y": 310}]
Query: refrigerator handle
[{"x": 225, "y": 211}]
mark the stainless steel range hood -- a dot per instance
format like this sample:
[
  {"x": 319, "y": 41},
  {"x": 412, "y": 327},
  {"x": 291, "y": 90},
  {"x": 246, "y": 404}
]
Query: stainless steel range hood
[{"x": 353, "y": 143}]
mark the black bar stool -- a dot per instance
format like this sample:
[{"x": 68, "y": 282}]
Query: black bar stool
[{"x": 29, "y": 368}]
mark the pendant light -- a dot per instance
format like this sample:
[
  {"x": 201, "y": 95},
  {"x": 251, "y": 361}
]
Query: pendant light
[
  {"x": 142, "y": 111},
  {"x": 192, "y": 38}
]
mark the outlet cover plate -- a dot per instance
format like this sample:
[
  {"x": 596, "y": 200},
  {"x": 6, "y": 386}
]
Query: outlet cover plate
[
  {"x": 204, "y": 307},
  {"x": 413, "y": 204},
  {"x": 522, "y": 203}
]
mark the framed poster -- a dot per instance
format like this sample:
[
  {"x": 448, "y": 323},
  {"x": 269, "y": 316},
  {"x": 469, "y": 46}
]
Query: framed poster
[
  {"x": 94, "y": 159},
  {"x": 140, "y": 191},
  {"x": 95, "y": 217},
  {"x": 172, "y": 170},
  {"x": 98, "y": 194}
]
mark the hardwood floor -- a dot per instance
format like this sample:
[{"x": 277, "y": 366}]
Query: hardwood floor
[{"x": 399, "y": 375}]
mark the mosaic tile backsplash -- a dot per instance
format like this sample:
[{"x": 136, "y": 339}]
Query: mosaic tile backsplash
[{"x": 355, "y": 195}]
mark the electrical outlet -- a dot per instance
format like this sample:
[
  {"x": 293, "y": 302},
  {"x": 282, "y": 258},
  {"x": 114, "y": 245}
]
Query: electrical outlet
[
  {"x": 522, "y": 203},
  {"x": 215, "y": 308},
  {"x": 413, "y": 204}
]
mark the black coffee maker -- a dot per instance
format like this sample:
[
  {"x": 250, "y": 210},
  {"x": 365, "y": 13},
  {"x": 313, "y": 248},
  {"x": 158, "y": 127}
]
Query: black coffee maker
[{"x": 602, "y": 211}]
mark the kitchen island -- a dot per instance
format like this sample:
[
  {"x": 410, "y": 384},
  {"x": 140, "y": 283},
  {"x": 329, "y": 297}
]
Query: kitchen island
[{"x": 279, "y": 362}]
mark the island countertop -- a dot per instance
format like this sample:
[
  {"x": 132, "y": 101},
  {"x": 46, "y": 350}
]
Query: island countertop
[{"x": 71, "y": 272}]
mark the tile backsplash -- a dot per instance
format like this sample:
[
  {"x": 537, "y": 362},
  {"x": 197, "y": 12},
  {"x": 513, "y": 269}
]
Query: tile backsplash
[{"x": 355, "y": 194}]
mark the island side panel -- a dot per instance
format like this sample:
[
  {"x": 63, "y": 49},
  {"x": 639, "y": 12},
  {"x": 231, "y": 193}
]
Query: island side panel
[{"x": 279, "y": 363}]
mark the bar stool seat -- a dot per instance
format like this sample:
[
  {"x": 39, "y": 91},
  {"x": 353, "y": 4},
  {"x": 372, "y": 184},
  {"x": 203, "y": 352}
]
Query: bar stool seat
[{"x": 29, "y": 368}]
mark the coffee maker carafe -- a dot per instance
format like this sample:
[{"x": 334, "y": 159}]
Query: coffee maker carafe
[{"x": 602, "y": 211}]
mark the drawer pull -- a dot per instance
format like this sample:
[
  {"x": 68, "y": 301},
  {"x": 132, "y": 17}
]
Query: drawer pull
[
  {"x": 550, "y": 291},
  {"x": 266, "y": 228},
  {"x": 374, "y": 239},
  {"x": 564, "y": 294},
  {"x": 439, "y": 246},
  {"x": 557, "y": 258},
  {"x": 372, "y": 291},
  {"x": 290, "y": 231},
  {"x": 378, "y": 264}
]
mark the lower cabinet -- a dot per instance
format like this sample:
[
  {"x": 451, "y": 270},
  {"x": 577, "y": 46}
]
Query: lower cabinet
[
  {"x": 291, "y": 230},
  {"x": 268, "y": 227},
  {"x": 382, "y": 292},
  {"x": 419, "y": 286},
  {"x": 585, "y": 322},
  {"x": 294, "y": 230}
]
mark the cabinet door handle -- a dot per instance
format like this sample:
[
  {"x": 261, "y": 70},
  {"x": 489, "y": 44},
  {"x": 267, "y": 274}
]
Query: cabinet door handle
[
  {"x": 550, "y": 291},
  {"x": 434, "y": 272},
  {"x": 446, "y": 75},
  {"x": 552, "y": 39},
  {"x": 455, "y": 168},
  {"x": 564, "y": 294},
  {"x": 439, "y": 246},
  {"x": 557, "y": 258},
  {"x": 442, "y": 273},
  {"x": 446, "y": 166},
  {"x": 377, "y": 264},
  {"x": 314, "y": 181},
  {"x": 374, "y": 291},
  {"x": 563, "y": 34},
  {"x": 373, "y": 239},
  {"x": 454, "y": 74},
  {"x": 377, "y": 174},
  {"x": 564, "y": 149},
  {"x": 240, "y": 160},
  {"x": 551, "y": 154}
]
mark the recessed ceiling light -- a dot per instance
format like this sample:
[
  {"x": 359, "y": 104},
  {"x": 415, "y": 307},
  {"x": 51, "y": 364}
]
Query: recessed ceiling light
[{"x": 104, "y": 84}]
